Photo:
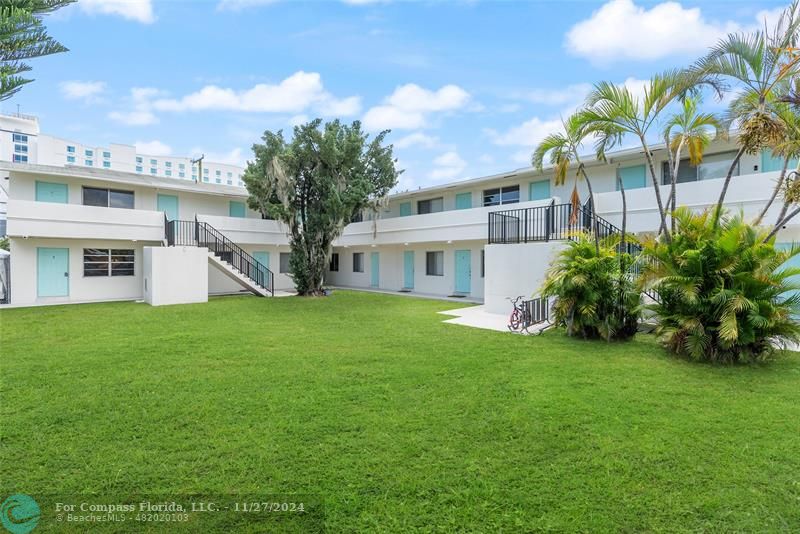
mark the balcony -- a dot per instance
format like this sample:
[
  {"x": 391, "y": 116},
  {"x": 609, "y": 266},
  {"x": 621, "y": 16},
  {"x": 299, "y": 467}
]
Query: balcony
[
  {"x": 74, "y": 221},
  {"x": 747, "y": 193},
  {"x": 453, "y": 225},
  {"x": 248, "y": 231}
]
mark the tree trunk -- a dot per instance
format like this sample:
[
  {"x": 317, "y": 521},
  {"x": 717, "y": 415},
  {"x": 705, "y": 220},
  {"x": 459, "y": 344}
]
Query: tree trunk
[
  {"x": 656, "y": 189},
  {"x": 781, "y": 224},
  {"x": 623, "y": 251},
  {"x": 774, "y": 192},
  {"x": 624, "y": 212},
  {"x": 721, "y": 201},
  {"x": 675, "y": 166},
  {"x": 594, "y": 214}
]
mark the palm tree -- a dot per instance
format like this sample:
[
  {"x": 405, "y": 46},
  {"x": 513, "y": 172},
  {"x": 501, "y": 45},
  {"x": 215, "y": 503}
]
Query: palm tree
[
  {"x": 787, "y": 148},
  {"x": 759, "y": 63},
  {"x": 614, "y": 111},
  {"x": 691, "y": 130},
  {"x": 562, "y": 149}
]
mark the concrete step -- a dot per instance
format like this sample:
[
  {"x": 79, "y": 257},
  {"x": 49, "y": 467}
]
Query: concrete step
[{"x": 228, "y": 270}]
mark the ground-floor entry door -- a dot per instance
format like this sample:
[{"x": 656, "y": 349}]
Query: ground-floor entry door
[
  {"x": 52, "y": 272},
  {"x": 408, "y": 269},
  {"x": 463, "y": 271},
  {"x": 375, "y": 269},
  {"x": 263, "y": 259},
  {"x": 169, "y": 205}
]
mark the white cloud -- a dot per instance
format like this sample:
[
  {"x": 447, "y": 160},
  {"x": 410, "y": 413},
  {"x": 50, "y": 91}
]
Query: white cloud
[
  {"x": 141, "y": 114},
  {"x": 238, "y": 5},
  {"x": 527, "y": 134},
  {"x": 297, "y": 93},
  {"x": 408, "y": 106},
  {"x": 621, "y": 30},
  {"x": 138, "y": 10},
  {"x": 153, "y": 148},
  {"x": 296, "y": 120},
  {"x": 417, "y": 139},
  {"x": 448, "y": 166},
  {"x": 561, "y": 96},
  {"x": 77, "y": 90}
]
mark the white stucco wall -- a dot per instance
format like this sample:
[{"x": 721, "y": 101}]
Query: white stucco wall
[
  {"x": 175, "y": 275},
  {"x": 514, "y": 270}
]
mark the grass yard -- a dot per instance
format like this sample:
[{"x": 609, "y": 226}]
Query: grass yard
[{"x": 392, "y": 419}]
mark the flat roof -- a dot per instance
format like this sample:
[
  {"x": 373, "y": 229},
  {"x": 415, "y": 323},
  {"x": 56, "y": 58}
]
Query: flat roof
[{"x": 107, "y": 175}]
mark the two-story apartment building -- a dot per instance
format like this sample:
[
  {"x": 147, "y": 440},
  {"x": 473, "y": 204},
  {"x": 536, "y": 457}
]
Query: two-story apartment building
[{"x": 82, "y": 233}]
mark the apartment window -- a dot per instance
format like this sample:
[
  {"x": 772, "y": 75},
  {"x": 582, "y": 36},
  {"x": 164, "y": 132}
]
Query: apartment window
[
  {"x": 333, "y": 266},
  {"x": 205, "y": 171},
  {"x": 230, "y": 182},
  {"x": 107, "y": 164},
  {"x": 107, "y": 198},
  {"x": 138, "y": 159},
  {"x": 139, "y": 168},
  {"x": 154, "y": 162},
  {"x": 70, "y": 149},
  {"x": 168, "y": 172},
  {"x": 358, "y": 262},
  {"x": 19, "y": 158},
  {"x": 108, "y": 262},
  {"x": 19, "y": 138},
  {"x": 501, "y": 195},
  {"x": 284, "y": 262},
  {"x": 218, "y": 180},
  {"x": 219, "y": 173},
  {"x": 88, "y": 163},
  {"x": 21, "y": 148},
  {"x": 432, "y": 205},
  {"x": 205, "y": 178},
  {"x": 106, "y": 155},
  {"x": 168, "y": 164},
  {"x": 88, "y": 153},
  {"x": 230, "y": 175},
  {"x": 434, "y": 263},
  {"x": 713, "y": 166},
  {"x": 153, "y": 170},
  {"x": 181, "y": 174},
  {"x": 70, "y": 159},
  {"x": 182, "y": 166}
]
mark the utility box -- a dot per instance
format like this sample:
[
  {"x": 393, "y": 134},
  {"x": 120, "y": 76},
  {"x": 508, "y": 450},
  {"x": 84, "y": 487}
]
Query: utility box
[{"x": 175, "y": 275}]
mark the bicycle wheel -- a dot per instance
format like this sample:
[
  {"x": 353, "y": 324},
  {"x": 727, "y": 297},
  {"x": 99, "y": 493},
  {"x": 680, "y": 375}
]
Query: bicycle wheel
[{"x": 514, "y": 320}]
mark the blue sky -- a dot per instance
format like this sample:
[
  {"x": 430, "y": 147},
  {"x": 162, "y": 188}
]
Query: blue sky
[{"x": 467, "y": 87}]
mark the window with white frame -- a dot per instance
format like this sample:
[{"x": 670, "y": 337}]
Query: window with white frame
[
  {"x": 88, "y": 153},
  {"x": 501, "y": 195},
  {"x": 434, "y": 263},
  {"x": 106, "y": 154},
  {"x": 70, "y": 149},
  {"x": 19, "y": 138},
  {"x": 108, "y": 262},
  {"x": 108, "y": 198},
  {"x": 431, "y": 205},
  {"x": 284, "y": 258}
]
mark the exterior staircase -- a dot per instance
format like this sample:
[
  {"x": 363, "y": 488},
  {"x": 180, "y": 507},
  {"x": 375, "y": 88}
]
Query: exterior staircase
[{"x": 224, "y": 254}]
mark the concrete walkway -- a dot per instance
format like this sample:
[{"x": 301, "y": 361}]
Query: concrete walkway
[
  {"x": 478, "y": 317},
  {"x": 409, "y": 294}
]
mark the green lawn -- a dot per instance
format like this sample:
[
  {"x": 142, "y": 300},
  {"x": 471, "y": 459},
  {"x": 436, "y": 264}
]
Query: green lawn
[{"x": 392, "y": 419}]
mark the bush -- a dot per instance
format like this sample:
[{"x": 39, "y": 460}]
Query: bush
[
  {"x": 594, "y": 295},
  {"x": 724, "y": 295}
]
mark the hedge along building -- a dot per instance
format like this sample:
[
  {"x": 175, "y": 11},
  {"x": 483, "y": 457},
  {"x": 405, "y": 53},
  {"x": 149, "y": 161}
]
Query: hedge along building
[{"x": 83, "y": 233}]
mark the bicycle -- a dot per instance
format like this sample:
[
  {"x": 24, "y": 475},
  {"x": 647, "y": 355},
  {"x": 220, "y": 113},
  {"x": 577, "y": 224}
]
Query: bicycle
[{"x": 520, "y": 318}]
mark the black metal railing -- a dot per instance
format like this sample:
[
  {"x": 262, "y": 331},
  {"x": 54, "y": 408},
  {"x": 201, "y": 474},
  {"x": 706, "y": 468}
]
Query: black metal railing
[
  {"x": 538, "y": 310},
  {"x": 5, "y": 279},
  {"x": 201, "y": 234}
]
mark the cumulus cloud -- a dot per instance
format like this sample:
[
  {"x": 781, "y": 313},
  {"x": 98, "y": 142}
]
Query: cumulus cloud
[
  {"x": 529, "y": 133},
  {"x": 153, "y": 148},
  {"x": 417, "y": 139},
  {"x": 408, "y": 107},
  {"x": 297, "y": 93},
  {"x": 78, "y": 90},
  {"x": 559, "y": 96},
  {"x": 621, "y": 30},
  {"x": 141, "y": 114},
  {"x": 447, "y": 166},
  {"x": 138, "y": 10}
]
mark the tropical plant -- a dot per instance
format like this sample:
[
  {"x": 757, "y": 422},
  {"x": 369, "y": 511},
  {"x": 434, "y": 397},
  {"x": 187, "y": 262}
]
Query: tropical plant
[
  {"x": 594, "y": 297},
  {"x": 315, "y": 184},
  {"x": 23, "y": 36},
  {"x": 4, "y": 244},
  {"x": 615, "y": 111},
  {"x": 692, "y": 130},
  {"x": 759, "y": 63},
  {"x": 788, "y": 149},
  {"x": 724, "y": 294},
  {"x": 562, "y": 150}
]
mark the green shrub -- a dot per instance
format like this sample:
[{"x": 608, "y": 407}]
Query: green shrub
[
  {"x": 724, "y": 295},
  {"x": 594, "y": 296}
]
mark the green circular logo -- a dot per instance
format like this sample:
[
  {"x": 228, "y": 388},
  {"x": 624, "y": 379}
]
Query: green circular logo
[{"x": 20, "y": 514}]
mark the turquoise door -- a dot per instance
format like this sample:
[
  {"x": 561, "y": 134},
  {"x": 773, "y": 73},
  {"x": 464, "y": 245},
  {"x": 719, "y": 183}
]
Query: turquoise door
[
  {"x": 408, "y": 269},
  {"x": 463, "y": 201},
  {"x": 52, "y": 272},
  {"x": 236, "y": 209},
  {"x": 169, "y": 205},
  {"x": 539, "y": 190},
  {"x": 633, "y": 177},
  {"x": 463, "y": 271},
  {"x": 405, "y": 209},
  {"x": 374, "y": 271},
  {"x": 770, "y": 163},
  {"x": 50, "y": 192},
  {"x": 263, "y": 259}
]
